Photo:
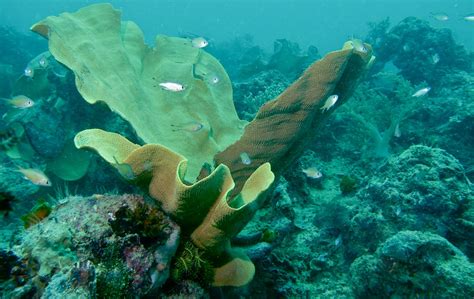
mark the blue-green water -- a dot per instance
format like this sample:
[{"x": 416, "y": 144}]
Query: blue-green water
[
  {"x": 224, "y": 149},
  {"x": 327, "y": 23}
]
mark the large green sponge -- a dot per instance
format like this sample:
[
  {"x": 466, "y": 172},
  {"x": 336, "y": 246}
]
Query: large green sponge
[{"x": 113, "y": 64}]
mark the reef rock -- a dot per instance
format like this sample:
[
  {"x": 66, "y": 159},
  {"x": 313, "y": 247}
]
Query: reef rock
[
  {"x": 421, "y": 52},
  {"x": 424, "y": 188},
  {"x": 413, "y": 264},
  {"x": 99, "y": 246},
  {"x": 251, "y": 94}
]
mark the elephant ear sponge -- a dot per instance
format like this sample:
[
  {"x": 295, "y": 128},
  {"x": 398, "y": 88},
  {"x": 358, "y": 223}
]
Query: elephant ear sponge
[
  {"x": 112, "y": 64},
  {"x": 206, "y": 213},
  {"x": 282, "y": 127}
]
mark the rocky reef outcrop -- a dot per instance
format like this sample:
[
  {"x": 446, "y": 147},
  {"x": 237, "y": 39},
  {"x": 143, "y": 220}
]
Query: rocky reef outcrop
[{"x": 104, "y": 245}]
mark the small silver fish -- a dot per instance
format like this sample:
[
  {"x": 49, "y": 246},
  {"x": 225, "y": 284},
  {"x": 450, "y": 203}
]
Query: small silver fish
[
  {"x": 245, "y": 158},
  {"x": 330, "y": 101},
  {"x": 359, "y": 45},
  {"x": 29, "y": 72},
  {"x": 312, "y": 173},
  {"x": 398, "y": 211},
  {"x": 21, "y": 102},
  {"x": 397, "y": 132},
  {"x": 469, "y": 17},
  {"x": 35, "y": 176},
  {"x": 435, "y": 58},
  {"x": 171, "y": 86},
  {"x": 338, "y": 241},
  {"x": 214, "y": 79},
  {"x": 192, "y": 126},
  {"x": 199, "y": 42},
  {"x": 440, "y": 16},
  {"x": 421, "y": 92},
  {"x": 43, "y": 62}
]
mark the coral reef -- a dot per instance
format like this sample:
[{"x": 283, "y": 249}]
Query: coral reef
[
  {"x": 252, "y": 93},
  {"x": 385, "y": 119},
  {"x": 446, "y": 121},
  {"x": 13, "y": 183},
  {"x": 411, "y": 264},
  {"x": 86, "y": 248},
  {"x": 164, "y": 172},
  {"x": 305, "y": 259},
  {"x": 243, "y": 59},
  {"x": 321, "y": 232},
  {"x": 386, "y": 217},
  {"x": 419, "y": 51},
  {"x": 234, "y": 208},
  {"x": 423, "y": 188}
]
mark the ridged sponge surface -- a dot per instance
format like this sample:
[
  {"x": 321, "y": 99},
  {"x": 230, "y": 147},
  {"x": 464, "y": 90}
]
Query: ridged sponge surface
[{"x": 283, "y": 126}]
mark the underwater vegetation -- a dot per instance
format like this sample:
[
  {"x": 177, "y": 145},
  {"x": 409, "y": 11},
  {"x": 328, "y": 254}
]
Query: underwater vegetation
[{"x": 304, "y": 176}]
